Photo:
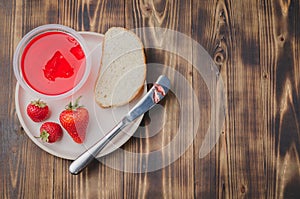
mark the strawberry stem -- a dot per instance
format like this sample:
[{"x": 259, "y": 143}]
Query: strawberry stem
[
  {"x": 39, "y": 103},
  {"x": 44, "y": 136},
  {"x": 76, "y": 105},
  {"x": 77, "y": 101}
]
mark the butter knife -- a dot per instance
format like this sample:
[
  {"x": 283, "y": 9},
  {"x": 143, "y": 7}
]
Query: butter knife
[{"x": 153, "y": 96}]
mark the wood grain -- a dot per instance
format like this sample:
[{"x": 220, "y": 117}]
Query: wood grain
[{"x": 255, "y": 44}]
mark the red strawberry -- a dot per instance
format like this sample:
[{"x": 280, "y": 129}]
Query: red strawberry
[
  {"x": 50, "y": 132},
  {"x": 38, "y": 110},
  {"x": 75, "y": 119}
]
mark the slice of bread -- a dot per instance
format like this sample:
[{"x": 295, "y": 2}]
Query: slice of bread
[{"x": 123, "y": 68}]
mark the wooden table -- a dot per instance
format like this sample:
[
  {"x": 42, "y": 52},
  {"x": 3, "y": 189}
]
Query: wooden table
[{"x": 254, "y": 44}]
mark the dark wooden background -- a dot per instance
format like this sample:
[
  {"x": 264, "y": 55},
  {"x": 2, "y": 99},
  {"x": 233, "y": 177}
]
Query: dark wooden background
[{"x": 255, "y": 43}]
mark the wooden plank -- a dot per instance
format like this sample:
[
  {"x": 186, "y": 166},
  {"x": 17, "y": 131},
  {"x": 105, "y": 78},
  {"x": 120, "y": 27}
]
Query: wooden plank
[
  {"x": 245, "y": 139},
  {"x": 175, "y": 180},
  {"x": 204, "y": 22},
  {"x": 245, "y": 127},
  {"x": 267, "y": 57},
  {"x": 282, "y": 99}
]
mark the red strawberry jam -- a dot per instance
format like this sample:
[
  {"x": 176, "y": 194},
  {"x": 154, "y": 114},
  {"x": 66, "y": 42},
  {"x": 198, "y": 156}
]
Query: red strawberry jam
[
  {"x": 53, "y": 63},
  {"x": 58, "y": 67}
]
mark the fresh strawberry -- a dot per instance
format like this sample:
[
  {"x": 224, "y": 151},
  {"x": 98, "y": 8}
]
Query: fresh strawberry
[
  {"x": 50, "y": 132},
  {"x": 75, "y": 119},
  {"x": 38, "y": 110}
]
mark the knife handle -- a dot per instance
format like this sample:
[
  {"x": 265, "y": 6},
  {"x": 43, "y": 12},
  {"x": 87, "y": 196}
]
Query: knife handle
[{"x": 85, "y": 158}]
